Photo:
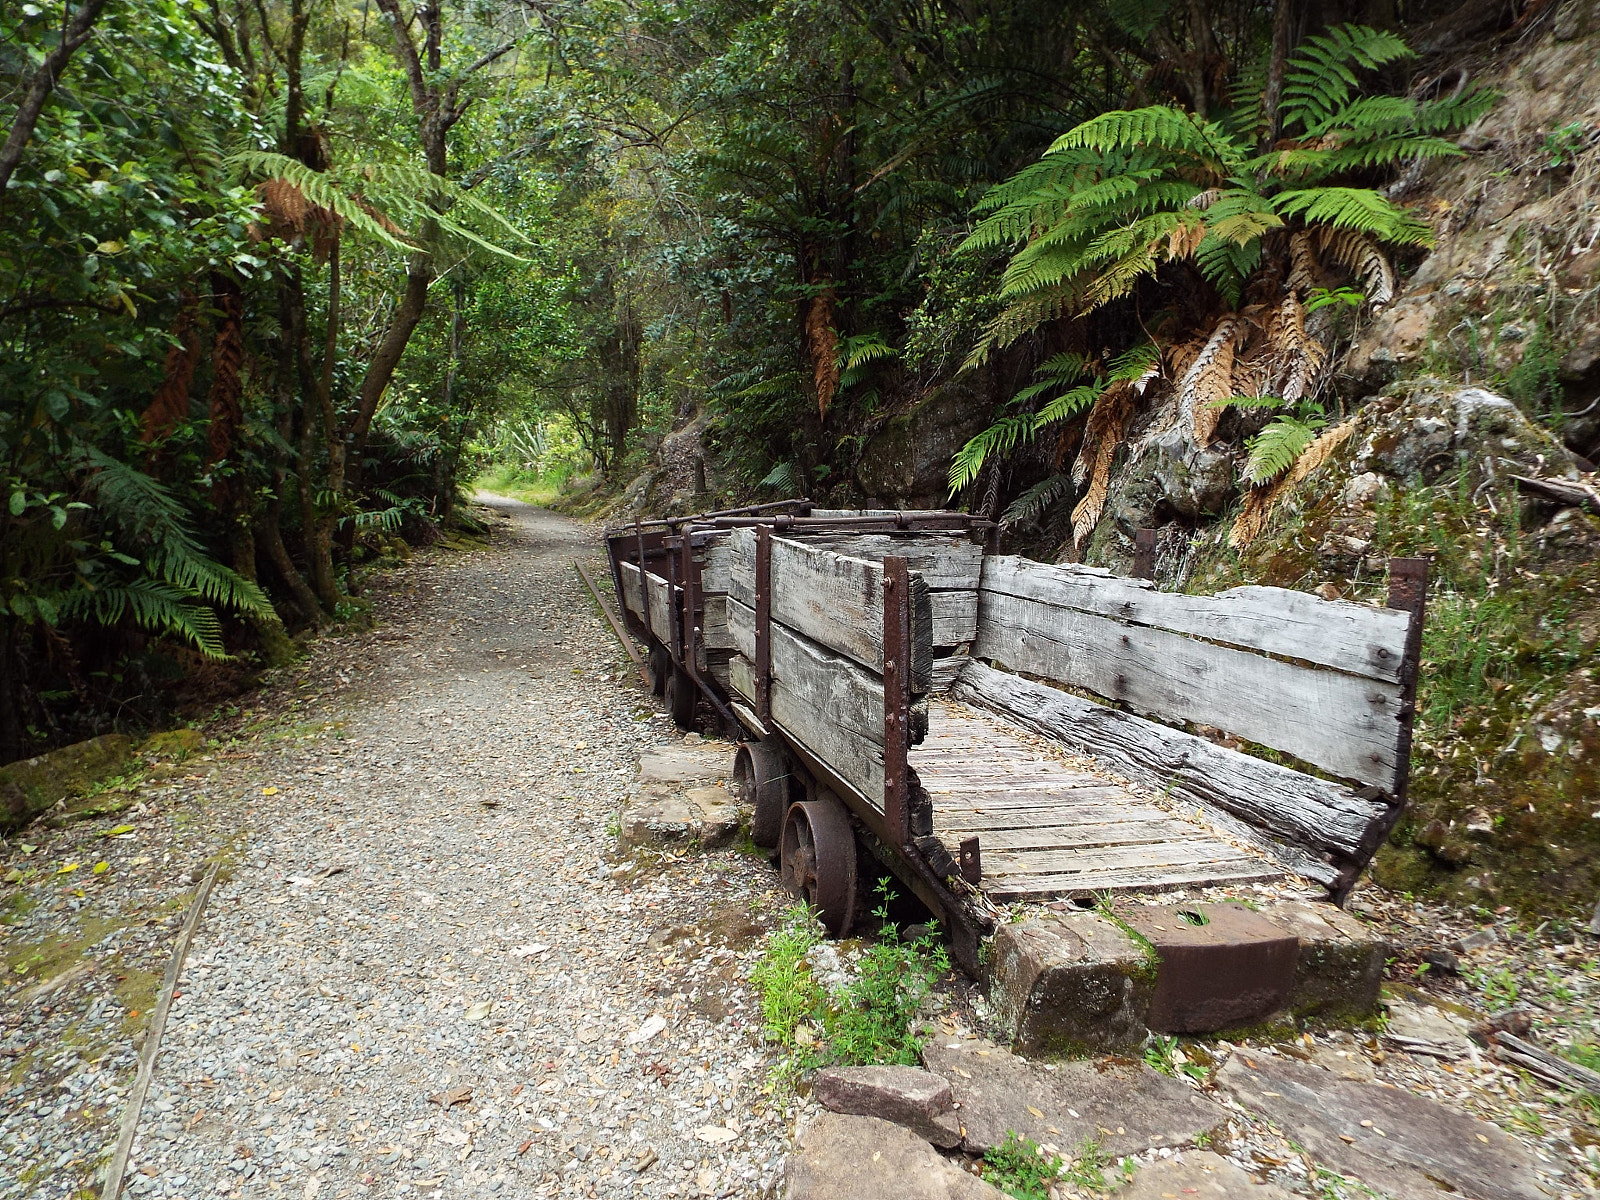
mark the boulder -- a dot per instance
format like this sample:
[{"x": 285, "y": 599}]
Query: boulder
[
  {"x": 1196, "y": 481},
  {"x": 1124, "y": 1106},
  {"x": 35, "y": 785},
  {"x": 1390, "y": 1139},
  {"x": 908, "y": 460},
  {"x": 840, "y": 1157},
  {"x": 919, "y": 1100}
]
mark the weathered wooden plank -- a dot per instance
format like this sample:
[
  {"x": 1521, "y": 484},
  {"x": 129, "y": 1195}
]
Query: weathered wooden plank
[
  {"x": 632, "y": 595},
  {"x": 950, "y": 817},
  {"x": 1080, "y": 837},
  {"x": 715, "y": 564},
  {"x": 1303, "y": 820},
  {"x": 1358, "y": 639},
  {"x": 1127, "y": 879},
  {"x": 1342, "y": 723},
  {"x": 955, "y": 617},
  {"x": 742, "y": 630},
  {"x": 828, "y": 703},
  {"x": 714, "y": 623},
  {"x": 659, "y": 598},
  {"x": 1196, "y": 850},
  {"x": 946, "y": 562},
  {"x": 945, "y": 670},
  {"x": 833, "y": 600}
]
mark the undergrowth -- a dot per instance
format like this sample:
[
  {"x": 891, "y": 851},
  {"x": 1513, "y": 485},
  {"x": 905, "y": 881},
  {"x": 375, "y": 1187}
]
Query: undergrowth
[
  {"x": 871, "y": 1019},
  {"x": 528, "y": 486},
  {"x": 1020, "y": 1167}
]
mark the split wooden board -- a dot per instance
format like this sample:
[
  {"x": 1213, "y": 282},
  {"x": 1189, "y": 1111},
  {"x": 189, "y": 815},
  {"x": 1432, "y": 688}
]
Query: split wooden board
[{"x": 1047, "y": 829}]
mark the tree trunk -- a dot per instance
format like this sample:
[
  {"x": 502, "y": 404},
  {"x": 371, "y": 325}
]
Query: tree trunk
[
  {"x": 10, "y": 672},
  {"x": 271, "y": 538},
  {"x": 380, "y": 368},
  {"x": 73, "y": 35},
  {"x": 1272, "y": 96}
]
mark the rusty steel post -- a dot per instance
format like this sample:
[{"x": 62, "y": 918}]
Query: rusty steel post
[
  {"x": 1144, "y": 554},
  {"x": 971, "y": 861},
  {"x": 686, "y": 575},
  {"x": 897, "y": 697},
  {"x": 764, "y": 623}
]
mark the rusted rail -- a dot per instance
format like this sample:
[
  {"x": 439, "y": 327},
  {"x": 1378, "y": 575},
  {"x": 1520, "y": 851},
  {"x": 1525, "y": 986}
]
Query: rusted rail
[{"x": 616, "y": 625}]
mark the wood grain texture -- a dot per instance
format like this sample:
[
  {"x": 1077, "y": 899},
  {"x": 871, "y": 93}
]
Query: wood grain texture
[
  {"x": 714, "y": 566},
  {"x": 1305, "y": 822},
  {"x": 834, "y": 600},
  {"x": 1345, "y": 724},
  {"x": 1358, "y": 639},
  {"x": 947, "y": 563},
  {"x": 829, "y": 704},
  {"x": 632, "y": 595},
  {"x": 714, "y": 623},
  {"x": 659, "y": 599}
]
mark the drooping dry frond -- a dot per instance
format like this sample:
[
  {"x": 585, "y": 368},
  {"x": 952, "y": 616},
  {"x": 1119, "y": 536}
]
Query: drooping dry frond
[
  {"x": 1258, "y": 505},
  {"x": 1361, "y": 254},
  {"x": 1302, "y": 263},
  {"x": 1108, "y": 421},
  {"x": 823, "y": 342},
  {"x": 1299, "y": 357},
  {"x": 1208, "y": 383}
]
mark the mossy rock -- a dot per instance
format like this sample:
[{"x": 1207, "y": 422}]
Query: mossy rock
[
  {"x": 173, "y": 744},
  {"x": 35, "y": 785}
]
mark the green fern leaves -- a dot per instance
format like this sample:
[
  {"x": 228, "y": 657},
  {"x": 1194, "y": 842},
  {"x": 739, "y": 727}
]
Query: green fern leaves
[
  {"x": 1123, "y": 194},
  {"x": 1275, "y": 449}
]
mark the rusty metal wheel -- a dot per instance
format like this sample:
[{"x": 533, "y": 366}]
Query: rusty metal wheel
[
  {"x": 761, "y": 780},
  {"x": 818, "y": 856},
  {"x": 682, "y": 697},
  {"x": 659, "y": 664}
]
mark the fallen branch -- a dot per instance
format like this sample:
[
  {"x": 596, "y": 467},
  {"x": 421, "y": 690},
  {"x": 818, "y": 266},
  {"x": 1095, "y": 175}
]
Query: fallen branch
[
  {"x": 1543, "y": 1065},
  {"x": 1572, "y": 492}
]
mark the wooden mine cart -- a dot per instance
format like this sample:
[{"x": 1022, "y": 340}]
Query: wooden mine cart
[{"x": 993, "y": 729}]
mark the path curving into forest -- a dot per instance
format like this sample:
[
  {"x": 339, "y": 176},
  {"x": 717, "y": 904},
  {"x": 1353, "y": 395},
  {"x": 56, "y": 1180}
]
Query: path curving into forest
[{"x": 423, "y": 973}]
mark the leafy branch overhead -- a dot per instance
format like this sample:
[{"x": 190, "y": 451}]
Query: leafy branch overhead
[{"x": 1171, "y": 212}]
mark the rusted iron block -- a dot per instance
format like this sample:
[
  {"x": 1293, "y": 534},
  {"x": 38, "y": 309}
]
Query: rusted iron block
[{"x": 1221, "y": 966}]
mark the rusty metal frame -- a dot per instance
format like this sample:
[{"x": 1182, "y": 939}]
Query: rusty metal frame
[
  {"x": 763, "y": 662},
  {"x": 1408, "y": 592},
  {"x": 1144, "y": 553},
  {"x": 897, "y": 697}
]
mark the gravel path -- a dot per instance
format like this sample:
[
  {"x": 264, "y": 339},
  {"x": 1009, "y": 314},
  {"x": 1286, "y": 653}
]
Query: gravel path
[{"x": 422, "y": 972}]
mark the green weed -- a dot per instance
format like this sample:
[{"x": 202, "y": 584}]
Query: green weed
[
  {"x": 1020, "y": 1167},
  {"x": 1162, "y": 1054},
  {"x": 1500, "y": 988},
  {"x": 783, "y": 977}
]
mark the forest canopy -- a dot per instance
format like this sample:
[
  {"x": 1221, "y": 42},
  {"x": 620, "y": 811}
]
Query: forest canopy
[{"x": 279, "y": 278}]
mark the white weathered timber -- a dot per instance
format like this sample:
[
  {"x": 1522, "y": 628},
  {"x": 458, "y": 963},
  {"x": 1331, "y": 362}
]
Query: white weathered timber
[
  {"x": 945, "y": 671},
  {"x": 834, "y": 600},
  {"x": 714, "y": 565},
  {"x": 1359, "y": 639},
  {"x": 1301, "y": 820},
  {"x": 955, "y": 617},
  {"x": 632, "y": 595},
  {"x": 1345, "y": 724},
  {"x": 827, "y": 703},
  {"x": 659, "y": 599},
  {"x": 948, "y": 563},
  {"x": 742, "y": 629},
  {"x": 714, "y": 623}
]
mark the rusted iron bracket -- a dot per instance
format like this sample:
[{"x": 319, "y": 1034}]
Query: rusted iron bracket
[
  {"x": 1408, "y": 592},
  {"x": 971, "y": 861},
  {"x": 896, "y": 696},
  {"x": 1144, "y": 554},
  {"x": 763, "y": 679}
]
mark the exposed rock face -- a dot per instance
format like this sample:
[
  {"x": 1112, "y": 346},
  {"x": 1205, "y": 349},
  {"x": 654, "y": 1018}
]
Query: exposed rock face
[
  {"x": 1389, "y": 1138},
  {"x": 862, "y": 1158},
  {"x": 35, "y": 785},
  {"x": 907, "y": 462},
  {"x": 1201, "y": 1174},
  {"x": 1124, "y": 1106}
]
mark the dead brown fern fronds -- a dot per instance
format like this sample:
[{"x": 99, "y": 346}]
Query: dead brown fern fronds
[
  {"x": 1102, "y": 434},
  {"x": 1208, "y": 383},
  {"x": 1361, "y": 254},
  {"x": 1299, "y": 356},
  {"x": 823, "y": 342},
  {"x": 1258, "y": 505}
]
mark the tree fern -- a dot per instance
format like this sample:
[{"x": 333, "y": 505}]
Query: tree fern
[
  {"x": 1122, "y": 194},
  {"x": 1036, "y": 501}
]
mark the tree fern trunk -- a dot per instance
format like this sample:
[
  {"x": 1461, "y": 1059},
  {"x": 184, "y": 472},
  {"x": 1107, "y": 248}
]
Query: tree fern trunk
[
  {"x": 1272, "y": 96},
  {"x": 271, "y": 536}
]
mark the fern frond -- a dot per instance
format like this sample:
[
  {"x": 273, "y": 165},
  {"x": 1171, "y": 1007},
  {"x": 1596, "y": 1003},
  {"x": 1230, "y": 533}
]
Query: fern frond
[
  {"x": 1066, "y": 367},
  {"x": 1036, "y": 501},
  {"x": 1209, "y": 380},
  {"x": 1361, "y": 209},
  {"x": 999, "y": 439},
  {"x": 1067, "y": 405},
  {"x": 160, "y": 608},
  {"x": 785, "y": 478},
  {"x": 1321, "y": 74},
  {"x": 1362, "y": 256},
  {"x": 1275, "y": 449}
]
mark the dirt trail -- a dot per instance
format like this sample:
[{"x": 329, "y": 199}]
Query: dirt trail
[{"x": 422, "y": 974}]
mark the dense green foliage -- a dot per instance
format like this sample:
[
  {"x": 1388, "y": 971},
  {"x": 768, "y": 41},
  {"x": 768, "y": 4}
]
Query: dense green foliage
[{"x": 277, "y": 279}]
